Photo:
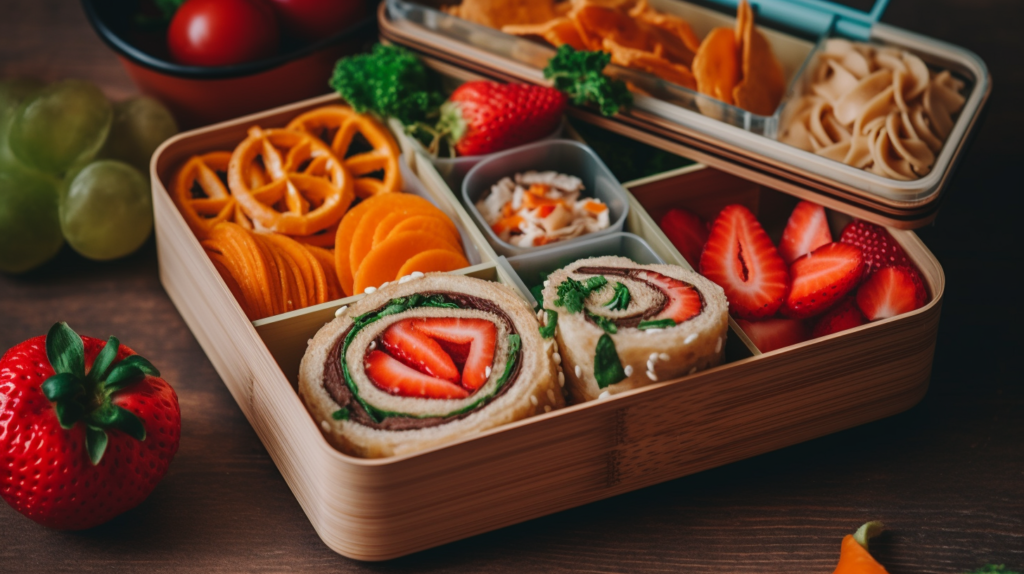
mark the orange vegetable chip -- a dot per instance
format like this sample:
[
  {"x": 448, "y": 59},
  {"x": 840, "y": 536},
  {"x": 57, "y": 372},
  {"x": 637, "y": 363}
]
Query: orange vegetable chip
[
  {"x": 498, "y": 13},
  {"x": 433, "y": 260},
  {"x": 675, "y": 36},
  {"x": 557, "y": 32},
  {"x": 716, "y": 67},
  {"x": 385, "y": 260},
  {"x": 597, "y": 24},
  {"x": 650, "y": 63},
  {"x": 763, "y": 83}
]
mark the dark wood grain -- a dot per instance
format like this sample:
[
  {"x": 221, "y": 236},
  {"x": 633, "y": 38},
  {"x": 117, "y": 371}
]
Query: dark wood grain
[{"x": 947, "y": 476}]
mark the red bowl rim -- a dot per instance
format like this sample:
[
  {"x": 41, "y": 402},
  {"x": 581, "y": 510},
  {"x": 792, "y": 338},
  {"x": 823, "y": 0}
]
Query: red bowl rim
[{"x": 138, "y": 57}]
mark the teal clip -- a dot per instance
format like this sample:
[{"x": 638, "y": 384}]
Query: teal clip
[{"x": 817, "y": 17}]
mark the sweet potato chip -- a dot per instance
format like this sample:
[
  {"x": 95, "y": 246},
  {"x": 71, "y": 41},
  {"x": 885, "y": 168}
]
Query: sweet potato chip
[
  {"x": 598, "y": 23},
  {"x": 651, "y": 63},
  {"x": 674, "y": 34},
  {"x": 716, "y": 67},
  {"x": 556, "y": 32},
  {"x": 499, "y": 13},
  {"x": 762, "y": 85}
]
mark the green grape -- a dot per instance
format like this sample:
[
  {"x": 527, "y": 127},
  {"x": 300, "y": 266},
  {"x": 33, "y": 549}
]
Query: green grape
[
  {"x": 63, "y": 125},
  {"x": 15, "y": 91},
  {"x": 140, "y": 125},
  {"x": 29, "y": 225},
  {"x": 107, "y": 211}
]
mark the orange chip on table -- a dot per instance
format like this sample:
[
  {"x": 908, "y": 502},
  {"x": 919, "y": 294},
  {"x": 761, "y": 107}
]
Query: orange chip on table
[
  {"x": 716, "y": 67},
  {"x": 307, "y": 188},
  {"x": 651, "y": 63},
  {"x": 763, "y": 84},
  {"x": 201, "y": 196},
  {"x": 375, "y": 170},
  {"x": 598, "y": 23},
  {"x": 675, "y": 35}
]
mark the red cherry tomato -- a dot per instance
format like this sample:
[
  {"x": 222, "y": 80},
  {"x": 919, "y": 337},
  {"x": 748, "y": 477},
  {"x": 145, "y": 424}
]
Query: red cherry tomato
[
  {"x": 317, "y": 19},
  {"x": 222, "y": 32}
]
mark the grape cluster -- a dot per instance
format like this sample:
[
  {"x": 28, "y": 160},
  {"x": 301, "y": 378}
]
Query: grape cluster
[{"x": 73, "y": 168}]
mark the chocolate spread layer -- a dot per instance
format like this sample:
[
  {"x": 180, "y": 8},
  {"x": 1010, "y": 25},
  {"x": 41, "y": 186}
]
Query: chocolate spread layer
[
  {"x": 334, "y": 380},
  {"x": 635, "y": 274}
]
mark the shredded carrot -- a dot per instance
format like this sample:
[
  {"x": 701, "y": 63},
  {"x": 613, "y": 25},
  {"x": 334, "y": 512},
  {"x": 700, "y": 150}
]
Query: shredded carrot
[{"x": 595, "y": 207}]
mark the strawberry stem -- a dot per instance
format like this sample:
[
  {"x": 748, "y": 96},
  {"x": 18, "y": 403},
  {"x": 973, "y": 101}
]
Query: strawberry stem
[{"x": 78, "y": 397}]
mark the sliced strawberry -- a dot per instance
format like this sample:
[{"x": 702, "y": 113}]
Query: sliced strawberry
[
  {"x": 821, "y": 278},
  {"x": 891, "y": 291},
  {"x": 843, "y": 316},
  {"x": 687, "y": 232},
  {"x": 806, "y": 231},
  {"x": 419, "y": 351},
  {"x": 741, "y": 258},
  {"x": 683, "y": 300},
  {"x": 879, "y": 248},
  {"x": 391, "y": 376},
  {"x": 480, "y": 334},
  {"x": 772, "y": 334}
]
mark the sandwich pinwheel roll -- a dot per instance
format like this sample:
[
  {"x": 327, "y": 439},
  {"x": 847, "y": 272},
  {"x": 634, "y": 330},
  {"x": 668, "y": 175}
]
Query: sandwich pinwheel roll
[
  {"x": 425, "y": 362},
  {"x": 621, "y": 325}
]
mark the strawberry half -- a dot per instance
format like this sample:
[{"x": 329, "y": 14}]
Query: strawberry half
[
  {"x": 392, "y": 376},
  {"x": 891, "y": 291},
  {"x": 879, "y": 248},
  {"x": 480, "y": 334},
  {"x": 806, "y": 230},
  {"x": 684, "y": 302},
  {"x": 405, "y": 343},
  {"x": 821, "y": 278},
  {"x": 484, "y": 117},
  {"x": 741, "y": 258},
  {"x": 772, "y": 334},
  {"x": 687, "y": 232},
  {"x": 843, "y": 316}
]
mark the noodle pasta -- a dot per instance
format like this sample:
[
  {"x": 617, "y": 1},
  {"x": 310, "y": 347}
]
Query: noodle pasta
[{"x": 875, "y": 108}]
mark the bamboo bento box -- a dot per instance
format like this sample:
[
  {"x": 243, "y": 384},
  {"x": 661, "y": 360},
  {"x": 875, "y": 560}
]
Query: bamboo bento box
[
  {"x": 384, "y": 508},
  {"x": 682, "y": 121}
]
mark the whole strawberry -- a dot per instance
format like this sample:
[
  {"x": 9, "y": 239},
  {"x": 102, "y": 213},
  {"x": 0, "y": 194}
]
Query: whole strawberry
[
  {"x": 485, "y": 117},
  {"x": 87, "y": 429}
]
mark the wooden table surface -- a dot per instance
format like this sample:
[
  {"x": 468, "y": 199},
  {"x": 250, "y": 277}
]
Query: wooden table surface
[{"x": 946, "y": 476}]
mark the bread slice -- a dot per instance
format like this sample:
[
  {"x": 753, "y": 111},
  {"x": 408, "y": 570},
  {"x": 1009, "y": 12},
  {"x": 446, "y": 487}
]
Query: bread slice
[
  {"x": 646, "y": 355},
  {"x": 533, "y": 389}
]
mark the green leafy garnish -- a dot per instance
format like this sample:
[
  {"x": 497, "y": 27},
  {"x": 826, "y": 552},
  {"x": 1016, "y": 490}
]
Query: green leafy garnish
[
  {"x": 572, "y": 293},
  {"x": 620, "y": 299},
  {"x": 607, "y": 366},
  {"x": 548, "y": 331},
  {"x": 391, "y": 82},
  {"x": 603, "y": 322},
  {"x": 659, "y": 324},
  {"x": 340, "y": 414},
  {"x": 580, "y": 74}
]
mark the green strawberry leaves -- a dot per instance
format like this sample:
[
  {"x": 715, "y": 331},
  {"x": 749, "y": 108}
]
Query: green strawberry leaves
[{"x": 78, "y": 397}]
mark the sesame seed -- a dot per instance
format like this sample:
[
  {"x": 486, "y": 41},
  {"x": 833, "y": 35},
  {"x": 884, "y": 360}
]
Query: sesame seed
[
  {"x": 690, "y": 338},
  {"x": 663, "y": 356},
  {"x": 653, "y": 357},
  {"x": 547, "y": 408},
  {"x": 653, "y": 331},
  {"x": 604, "y": 395},
  {"x": 561, "y": 379},
  {"x": 551, "y": 395},
  {"x": 718, "y": 345},
  {"x": 557, "y": 358},
  {"x": 533, "y": 400},
  {"x": 369, "y": 290},
  {"x": 487, "y": 372},
  {"x": 417, "y": 274},
  {"x": 325, "y": 425},
  {"x": 405, "y": 279},
  {"x": 373, "y": 345},
  {"x": 628, "y": 370},
  {"x": 650, "y": 365},
  {"x": 341, "y": 311},
  {"x": 652, "y": 376},
  {"x": 579, "y": 371}
]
